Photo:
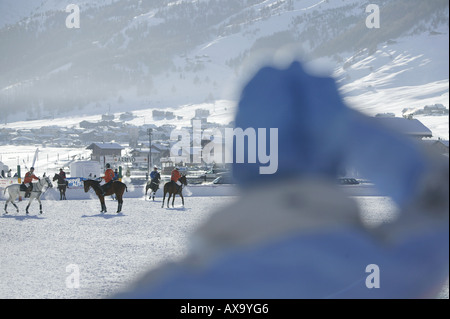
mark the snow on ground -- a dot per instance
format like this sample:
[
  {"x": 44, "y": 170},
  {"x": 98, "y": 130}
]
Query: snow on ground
[
  {"x": 110, "y": 250},
  {"x": 439, "y": 125},
  {"x": 49, "y": 159}
]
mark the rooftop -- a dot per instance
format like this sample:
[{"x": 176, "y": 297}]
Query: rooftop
[
  {"x": 411, "y": 127},
  {"x": 105, "y": 146}
]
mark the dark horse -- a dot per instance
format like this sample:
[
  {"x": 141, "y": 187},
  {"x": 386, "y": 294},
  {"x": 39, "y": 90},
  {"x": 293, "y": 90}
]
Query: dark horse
[
  {"x": 62, "y": 186},
  {"x": 172, "y": 188},
  {"x": 154, "y": 186},
  {"x": 117, "y": 188}
]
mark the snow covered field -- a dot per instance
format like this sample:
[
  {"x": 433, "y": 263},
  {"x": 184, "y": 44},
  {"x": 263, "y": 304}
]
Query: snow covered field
[
  {"x": 41, "y": 253},
  {"x": 109, "y": 249}
]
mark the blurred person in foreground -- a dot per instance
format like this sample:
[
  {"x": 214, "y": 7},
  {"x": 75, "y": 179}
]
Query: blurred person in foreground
[{"x": 295, "y": 234}]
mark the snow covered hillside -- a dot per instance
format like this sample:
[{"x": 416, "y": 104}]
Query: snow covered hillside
[
  {"x": 12, "y": 12},
  {"x": 150, "y": 54}
]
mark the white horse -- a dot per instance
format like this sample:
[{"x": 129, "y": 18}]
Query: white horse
[{"x": 38, "y": 189}]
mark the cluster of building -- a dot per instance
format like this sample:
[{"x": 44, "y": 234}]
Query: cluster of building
[
  {"x": 114, "y": 140},
  {"x": 428, "y": 110},
  {"x": 126, "y": 145}
]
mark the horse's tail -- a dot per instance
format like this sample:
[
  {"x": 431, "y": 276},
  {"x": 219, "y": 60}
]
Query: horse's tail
[
  {"x": 7, "y": 189},
  {"x": 126, "y": 188}
]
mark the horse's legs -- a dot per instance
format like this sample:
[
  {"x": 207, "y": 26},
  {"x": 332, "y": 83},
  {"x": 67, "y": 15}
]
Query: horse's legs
[
  {"x": 173, "y": 199},
  {"x": 40, "y": 205},
  {"x": 102, "y": 202},
  {"x": 11, "y": 200},
  {"x": 6, "y": 204},
  {"x": 17, "y": 208},
  {"x": 29, "y": 203},
  {"x": 164, "y": 199},
  {"x": 168, "y": 199},
  {"x": 119, "y": 201},
  {"x": 182, "y": 198}
]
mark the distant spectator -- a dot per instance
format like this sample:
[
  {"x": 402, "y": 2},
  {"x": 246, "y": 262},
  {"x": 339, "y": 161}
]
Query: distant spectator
[{"x": 9, "y": 173}]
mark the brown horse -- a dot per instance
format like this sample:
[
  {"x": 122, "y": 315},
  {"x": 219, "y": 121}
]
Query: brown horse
[
  {"x": 117, "y": 188},
  {"x": 172, "y": 188},
  {"x": 62, "y": 185}
]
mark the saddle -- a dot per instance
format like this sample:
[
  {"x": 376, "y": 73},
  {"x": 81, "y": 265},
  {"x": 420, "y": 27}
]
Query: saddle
[
  {"x": 24, "y": 188},
  {"x": 106, "y": 186},
  {"x": 178, "y": 187},
  {"x": 154, "y": 183},
  {"x": 64, "y": 183}
]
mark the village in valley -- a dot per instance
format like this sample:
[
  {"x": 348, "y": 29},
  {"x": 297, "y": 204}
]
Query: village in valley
[
  {"x": 113, "y": 139},
  {"x": 116, "y": 140}
]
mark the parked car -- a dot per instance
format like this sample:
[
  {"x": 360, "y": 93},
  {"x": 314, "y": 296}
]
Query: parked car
[
  {"x": 347, "y": 181},
  {"x": 223, "y": 179},
  {"x": 213, "y": 174}
]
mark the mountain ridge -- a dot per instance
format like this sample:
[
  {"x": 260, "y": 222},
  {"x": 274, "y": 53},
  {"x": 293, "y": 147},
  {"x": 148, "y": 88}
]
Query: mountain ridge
[{"x": 133, "y": 55}]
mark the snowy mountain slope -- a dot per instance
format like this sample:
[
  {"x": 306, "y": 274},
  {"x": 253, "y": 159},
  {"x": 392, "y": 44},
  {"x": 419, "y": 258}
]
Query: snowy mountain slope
[
  {"x": 139, "y": 55},
  {"x": 12, "y": 12},
  {"x": 409, "y": 72}
]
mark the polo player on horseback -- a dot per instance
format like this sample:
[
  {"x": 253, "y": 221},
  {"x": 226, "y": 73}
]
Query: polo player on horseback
[
  {"x": 155, "y": 177},
  {"x": 63, "y": 176},
  {"x": 109, "y": 177},
  {"x": 62, "y": 173},
  {"x": 28, "y": 181},
  {"x": 175, "y": 178}
]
